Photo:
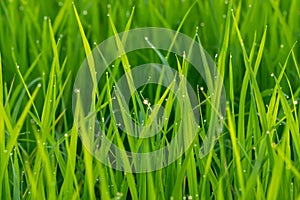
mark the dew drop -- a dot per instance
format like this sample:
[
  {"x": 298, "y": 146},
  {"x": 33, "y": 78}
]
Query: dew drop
[
  {"x": 120, "y": 194},
  {"x": 76, "y": 90},
  {"x": 127, "y": 14},
  {"x": 85, "y": 12},
  {"x": 146, "y": 101}
]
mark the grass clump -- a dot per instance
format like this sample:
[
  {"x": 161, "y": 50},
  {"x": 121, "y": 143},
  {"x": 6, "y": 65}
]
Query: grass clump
[{"x": 254, "y": 45}]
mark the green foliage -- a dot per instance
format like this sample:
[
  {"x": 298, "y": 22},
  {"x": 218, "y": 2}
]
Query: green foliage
[{"x": 254, "y": 44}]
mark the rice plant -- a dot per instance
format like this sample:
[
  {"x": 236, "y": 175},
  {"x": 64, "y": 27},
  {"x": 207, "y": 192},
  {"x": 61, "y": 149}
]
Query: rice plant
[{"x": 43, "y": 148}]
